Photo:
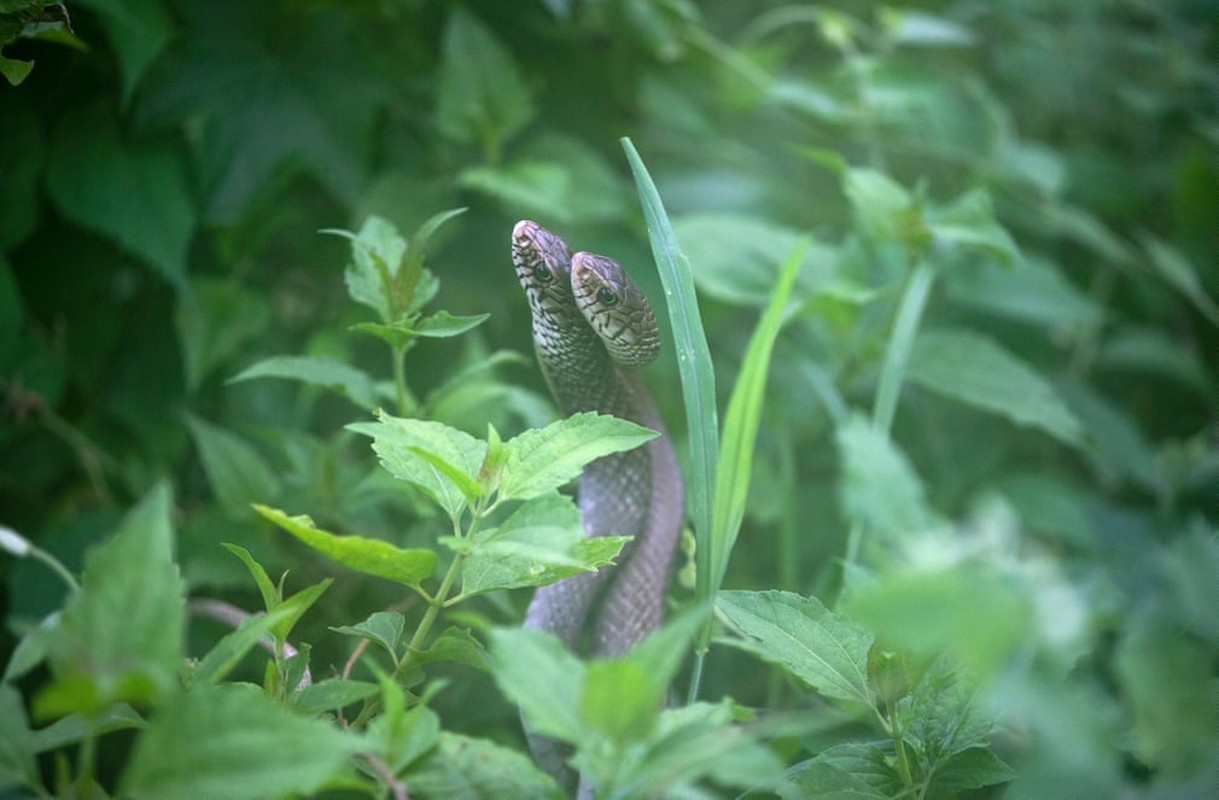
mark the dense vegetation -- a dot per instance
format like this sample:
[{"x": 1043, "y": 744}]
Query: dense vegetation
[{"x": 971, "y": 552}]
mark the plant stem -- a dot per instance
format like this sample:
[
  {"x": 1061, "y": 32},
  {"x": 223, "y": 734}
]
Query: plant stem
[
  {"x": 696, "y": 676},
  {"x": 56, "y": 566},
  {"x": 400, "y": 380}
]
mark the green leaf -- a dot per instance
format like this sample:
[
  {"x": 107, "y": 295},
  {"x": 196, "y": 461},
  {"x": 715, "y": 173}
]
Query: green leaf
[
  {"x": 444, "y": 462},
  {"x": 970, "y": 221},
  {"x": 138, "y": 30},
  {"x": 540, "y": 461},
  {"x": 816, "y": 780},
  {"x": 619, "y": 701},
  {"x": 137, "y": 196},
  {"x": 269, "y": 591},
  {"x": 356, "y": 385},
  {"x": 14, "y": 70},
  {"x": 1168, "y": 680},
  {"x": 1035, "y": 291},
  {"x": 458, "y": 646},
  {"x": 536, "y": 187},
  {"x": 481, "y": 96},
  {"x": 964, "y": 611},
  {"x": 741, "y": 258},
  {"x": 401, "y": 737},
  {"x": 865, "y": 762},
  {"x": 969, "y": 769},
  {"x": 236, "y": 471},
  {"x": 801, "y": 635},
  {"x": 878, "y": 200},
  {"x": 376, "y": 257},
  {"x": 121, "y": 636},
  {"x": 878, "y": 486},
  {"x": 975, "y": 370},
  {"x": 741, "y": 422},
  {"x": 539, "y": 674},
  {"x": 382, "y": 627},
  {"x": 323, "y": 696},
  {"x": 233, "y": 742},
  {"x": 214, "y": 319},
  {"x": 17, "y": 764},
  {"x": 541, "y": 542},
  {"x": 77, "y": 727},
  {"x": 442, "y": 324},
  {"x": 465, "y": 767},
  {"x": 409, "y": 567},
  {"x": 226, "y": 654},
  {"x": 693, "y": 361},
  {"x": 1181, "y": 275}
]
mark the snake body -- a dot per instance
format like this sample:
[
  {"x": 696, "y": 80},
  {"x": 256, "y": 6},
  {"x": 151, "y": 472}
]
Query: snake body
[{"x": 592, "y": 329}]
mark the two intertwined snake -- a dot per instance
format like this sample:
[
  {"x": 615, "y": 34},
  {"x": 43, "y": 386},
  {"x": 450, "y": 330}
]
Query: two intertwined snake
[{"x": 592, "y": 329}]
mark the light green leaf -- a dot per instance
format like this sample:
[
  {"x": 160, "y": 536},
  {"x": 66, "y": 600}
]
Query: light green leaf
[
  {"x": 976, "y": 370},
  {"x": 268, "y": 590},
  {"x": 535, "y": 187},
  {"x": 458, "y": 646},
  {"x": 227, "y": 653},
  {"x": 619, "y": 701},
  {"x": 541, "y": 542},
  {"x": 878, "y": 201},
  {"x": 536, "y": 672},
  {"x": 409, "y": 567},
  {"x": 1035, "y": 291},
  {"x": 382, "y": 627},
  {"x": 138, "y": 196},
  {"x": 76, "y": 727},
  {"x": 236, "y": 471},
  {"x": 376, "y": 256},
  {"x": 970, "y": 220},
  {"x": 816, "y": 780},
  {"x": 540, "y": 461},
  {"x": 442, "y": 324},
  {"x": 481, "y": 96},
  {"x": 356, "y": 385},
  {"x": 975, "y": 616},
  {"x": 740, "y": 258},
  {"x": 878, "y": 486},
  {"x": 866, "y": 762},
  {"x": 121, "y": 637},
  {"x": 14, "y": 70},
  {"x": 477, "y": 769},
  {"x": 401, "y": 737},
  {"x": 741, "y": 422},
  {"x": 401, "y": 443},
  {"x": 234, "y": 742},
  {"x": 323, "y": 696},
  {"x": 801, "y": 635}
]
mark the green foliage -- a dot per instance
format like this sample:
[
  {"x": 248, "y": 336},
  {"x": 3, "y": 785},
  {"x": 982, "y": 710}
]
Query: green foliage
[{"x": 946, "y": 273}]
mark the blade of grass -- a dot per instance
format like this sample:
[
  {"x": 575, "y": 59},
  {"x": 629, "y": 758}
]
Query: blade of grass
[{"x": 693, "y": 361}]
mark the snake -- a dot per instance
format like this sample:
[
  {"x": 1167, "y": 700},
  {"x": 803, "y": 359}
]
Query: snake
[{"x": 593, "y": 328}]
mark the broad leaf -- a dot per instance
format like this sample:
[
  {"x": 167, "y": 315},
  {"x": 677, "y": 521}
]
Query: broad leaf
[
  {"x": 238, "y": 474},
  {"x": 121, "y": 636},
  {"x": 540, "y": 461},
  {"x": 323, "y": 696},
  {"x": 878, "y": 486},
  {"x": 234, "y": 742},
  {"x": 969, "y": 769},
  {"x": 975, "y": 370},
  {"x": 536, "y": 672},
  {"x": 354, "y": 384},
  {"x": 801, "y": 635},
  {"x": 409, "y": 567},
  {"x": 382, "y": 627},
  {"x": 463, "y": 766}
]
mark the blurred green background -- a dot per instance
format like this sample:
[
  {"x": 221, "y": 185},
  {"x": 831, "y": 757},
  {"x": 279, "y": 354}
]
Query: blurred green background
[{"x": 165, "y": 169}]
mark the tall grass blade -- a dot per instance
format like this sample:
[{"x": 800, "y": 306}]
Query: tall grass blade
[{"x": 693, "y": 361}]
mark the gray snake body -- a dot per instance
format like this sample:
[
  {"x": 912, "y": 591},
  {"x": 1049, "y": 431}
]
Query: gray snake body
[{"x": 592, "y": 329}]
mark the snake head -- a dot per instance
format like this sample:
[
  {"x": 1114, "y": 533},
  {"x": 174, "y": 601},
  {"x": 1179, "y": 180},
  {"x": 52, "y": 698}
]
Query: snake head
[
  {"x": 615, "y": 308},
  {"x": 543, "y": 266}
]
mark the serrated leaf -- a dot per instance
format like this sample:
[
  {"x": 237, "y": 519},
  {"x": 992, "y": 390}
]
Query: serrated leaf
[
  {"x": 541, "y": 542},
  {"x": 354, "y": 384},
  {"x": 236, "y": 471},
  {"x": 801, "y": 635},
  {"x": 382, "y": 627},
  {"x": 539, "y": 674},
  {"x": 232, "y": 741},
  {"x": 975, "y": 370},
  {"x": 864, "y": 761},
  {"x": 814, "y": 780},
  {"x": 401, "y": 443},
  {"x": 969, "y": 769},
  {"x": 540, "y": 461},
  {"x": 376, "y": 256},
  {"x": 409, "y": 567},
  {"x": 121, "y": 636},
  {"x": 478, "y": 769},
  {"x": 878, "y": 487},
  {"x": 323, "y": 696},
  {"x": 481, "y": 96}
]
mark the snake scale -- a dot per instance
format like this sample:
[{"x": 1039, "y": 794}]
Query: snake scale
[{"x": 592, "y": 329}]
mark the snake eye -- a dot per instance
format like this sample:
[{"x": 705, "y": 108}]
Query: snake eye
[
  {"x": 540, "y": 272},
  {"x": 606, "y": 297}
]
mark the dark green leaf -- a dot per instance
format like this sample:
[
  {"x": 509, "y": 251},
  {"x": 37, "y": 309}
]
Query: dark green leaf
[
  {"x": 138, "y": 30},
  {"x": 317, "y": 698},
  {"x": 214, "y": 319},
  {"x": 236, "y": 471}
]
